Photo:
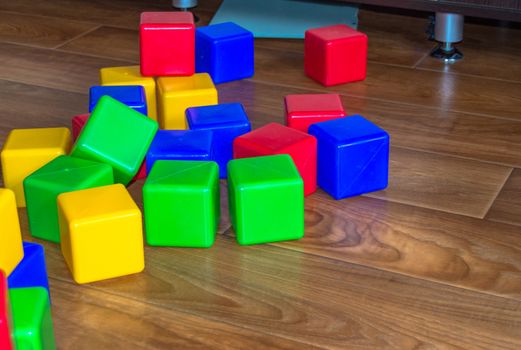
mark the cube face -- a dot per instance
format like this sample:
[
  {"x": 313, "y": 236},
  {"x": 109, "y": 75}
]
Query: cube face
[
  {"x": 26, "y": 150},
  {"x": 180, "y": 145},
  {"x": 182, "y": 206},
  {"x": 266, "y": 199},
  {"x": 124, "y": 151},
  {"x": 130, "y": 95},
  {"x": 11, "y": 251},
  {"x": 62, "y": 174},
  {"x": 32, "y": 270},
  {"x": 305, "y": 109},
  {"x": 167, "y": 44},
  {"x": 176, "y": 94},
  {"x": 6, "y": 323},
  {"x": 274, "y": 139},
  {"x": 226, "y": 122},
  {"x": 32, "y": 319},
  {"x": 78, "y": 122},
  {"x": 104, "y": 223},
  {"x": 353, "y": 156},
  {"x": 225, "y": 51},
  {"x": 335, "y": 55},
  {"x": 131, "y": 75}
]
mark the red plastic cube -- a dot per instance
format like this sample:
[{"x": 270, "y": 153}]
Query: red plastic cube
[
  {"x": 275, "y": 138},
  {"x": 6, "y": 338},
  {"x": 78, "y": 122},
  {"x": 306, "y": 109},
  {"x": 167, "y": 43},
  {"x": 335, "y": 54}
]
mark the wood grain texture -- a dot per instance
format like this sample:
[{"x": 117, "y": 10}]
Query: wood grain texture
[{"x": 507, "y": 206}]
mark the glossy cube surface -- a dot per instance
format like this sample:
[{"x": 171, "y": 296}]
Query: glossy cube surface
[
  {"x": 181, "y": 200},
  {"x": 32, "y": 320},
  {"x": 176, "y": 94},
  {"x": 116, "y": 135},
  {"x": 11, "y": 250},
  {"x": 101, "y": 233},
  {"x": 305, "y": 109},
  {"x": 6, "y": 322},
  {"x": 167, "y": 43},
  {"x": 266, "y": 199},
  {"x": 275, "y": 138},
  {"x": 225, "y": 51},
  {"x": 180, "y": 145},
  {"x": 335, "y": 54},
  {"x": 26, "y": 150},
  {"x": 353, "y": 156},
  {"x": 130, "y": 95},
  {"x": 78, "y": 122},
  {"x": 62, "y": 174},
  {"x": 32, "y": 270},
  {"x": 226, "y": 121},
  {"x": 131, "y": 75}
]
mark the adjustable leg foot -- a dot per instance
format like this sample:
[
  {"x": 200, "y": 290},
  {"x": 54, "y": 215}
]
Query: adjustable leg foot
[
  {"x": 184, "y": 5},
  {"x": 448, "y": 29}
]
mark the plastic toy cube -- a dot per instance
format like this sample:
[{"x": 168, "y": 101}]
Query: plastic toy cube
[
  {"x": 11, "y": 251},
  {"x": 32, "y": 270},
  {"x": 131, "y": 75},
  {"x": 117, "y": 135},
  {"x": 306, "y": 109},
  {"x": 131, "y": 95},
  {"x": 180, "y": 145},
  {"x": 181, "y": 200},
  {"x": 78, "y": 122},
  {"x": 32, "y": 319},
  {"x": 101, "y": 233},
  {"x": 226, "y": 121},
  {"x": 6, "y": 322},
  {"x": 176, "y": 94},
  {"x": 266, "y": 198},
  {"x": 26, "y": 150},
  {"x": 335, "y": 55},
  {"x": 225, "y": 51},
  {"x": 62, "y": 174},
  {"x": 353, "y": 156},
  {"x": 167, "y": 42},
  {"x": 275, "y": 138}
]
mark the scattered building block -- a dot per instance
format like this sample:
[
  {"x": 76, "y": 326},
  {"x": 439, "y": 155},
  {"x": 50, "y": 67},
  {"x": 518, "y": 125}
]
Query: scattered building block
[
  {"x": 101, "y": 233},
  {"x": 305, "y": 109},
  {"x": 62, "y": 174},
  {"x": 266, "y": 198},
  {"x": 226, "y": 122},
  {"x": 26, "y": 150},
  {"x": 225, "y": 51},
  {"x": 130, "y": 95},
  {"x": 181, "y": 202},
  {"x": 180, "y": 145},
  {"x": 6, "y": 322},
  {"x": 176, "y": 94},
  {"x": 167, "y": 43},
  {"x": 353, "y": 156},
  {"x": 32, "y": 319},
  {"x": 274, "y": 138},
  {"x": 78, "y": 122},
  {"x": 131, "y": 75},
  {"x": 11, "y": 251},
  {"x": 335, "y": 54},
  {"x": 116, "y": 135},
  {"x": 32, "y": 270}
]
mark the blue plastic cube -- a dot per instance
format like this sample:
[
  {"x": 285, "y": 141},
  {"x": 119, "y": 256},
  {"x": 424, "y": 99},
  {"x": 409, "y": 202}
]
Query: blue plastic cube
[
  {"x": 353, "y": 156},
  {"x": 131, "y": 95},
  {"x": 180, "y": 145},
  {"x": 226, "y": 121},
  {"x": 225, "y": 51},
  {"x": 31, "y": 271}
]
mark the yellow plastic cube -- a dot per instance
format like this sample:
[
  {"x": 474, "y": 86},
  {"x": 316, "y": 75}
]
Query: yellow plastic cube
[
  {"x": 131, "y": 75},
  {"x": 11, "y": 248},
  {"x": 176, "y": 94},
  {"x": 27, "y": 150},
  {"x": 101, "y": 233}
]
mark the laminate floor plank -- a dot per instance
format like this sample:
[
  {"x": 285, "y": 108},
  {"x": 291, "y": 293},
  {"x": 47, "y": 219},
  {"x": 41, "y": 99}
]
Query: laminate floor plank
[{"x": 507, "y": 206}]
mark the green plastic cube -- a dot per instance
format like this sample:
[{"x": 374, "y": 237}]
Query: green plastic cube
[
  {"x": 63, "y": 174},
  {"x": 117, "y": 135},
  {"x": 182, "y": 205},
  {"x": 266, "y": 198},
  {"x": 32, "y": 320}
]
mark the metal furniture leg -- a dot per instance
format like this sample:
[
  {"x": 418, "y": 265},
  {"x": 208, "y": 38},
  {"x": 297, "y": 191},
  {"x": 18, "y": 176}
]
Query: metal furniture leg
[{"x": 448, "y": 30}]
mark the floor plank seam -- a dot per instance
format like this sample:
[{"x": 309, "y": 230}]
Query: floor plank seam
[
  {"x": 96, "y": 56},
  {"x": 468, "y": 75},
  {"x": 493, "y": 200},
  {"x": 420, "y": 60},
  {"x": 96, "y": 27}
]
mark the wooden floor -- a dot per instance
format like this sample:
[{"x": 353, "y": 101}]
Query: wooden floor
[{"x": 433, "y": 262}]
